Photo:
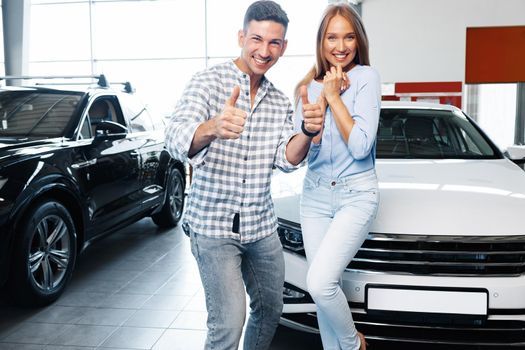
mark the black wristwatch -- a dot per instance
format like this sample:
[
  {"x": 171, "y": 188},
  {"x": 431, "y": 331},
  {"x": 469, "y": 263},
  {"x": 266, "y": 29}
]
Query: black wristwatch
[{"x": 308, "y": 133}]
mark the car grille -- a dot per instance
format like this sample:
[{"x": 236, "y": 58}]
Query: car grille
[
  {"x": 443, "y": 255},
  {"x": 497, "y": 334},
  {"x": 428, "y": 255}
]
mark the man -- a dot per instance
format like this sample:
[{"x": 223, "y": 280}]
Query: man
[{"x": 233, "y": 126}]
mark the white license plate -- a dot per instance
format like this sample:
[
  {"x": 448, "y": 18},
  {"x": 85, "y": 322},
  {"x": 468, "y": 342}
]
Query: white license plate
[{"x": 443, "y": 301}]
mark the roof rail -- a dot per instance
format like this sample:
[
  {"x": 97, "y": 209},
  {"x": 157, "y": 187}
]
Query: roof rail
[
  {"x": 127, "y": 86},
  {"x": 102, "y": 81}
]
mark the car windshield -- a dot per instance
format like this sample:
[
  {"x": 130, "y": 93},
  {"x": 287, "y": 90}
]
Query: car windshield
[
  {"x": 430, "y": 133},
  {"x": 36, "y": 113}
]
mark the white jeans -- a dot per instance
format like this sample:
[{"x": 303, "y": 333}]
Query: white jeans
[{"x": 335, "y": 219}]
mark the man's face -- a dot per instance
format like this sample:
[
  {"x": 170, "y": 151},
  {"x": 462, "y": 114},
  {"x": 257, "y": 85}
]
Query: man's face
[{"x": 262, "y": 44}]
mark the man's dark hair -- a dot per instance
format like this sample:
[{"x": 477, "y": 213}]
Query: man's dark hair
[{"x": 265, "y": 10}]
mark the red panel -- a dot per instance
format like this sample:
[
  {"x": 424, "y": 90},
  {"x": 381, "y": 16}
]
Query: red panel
[
  {"x": 450, "y": 86},
  {"x": 495, "y": 55}
]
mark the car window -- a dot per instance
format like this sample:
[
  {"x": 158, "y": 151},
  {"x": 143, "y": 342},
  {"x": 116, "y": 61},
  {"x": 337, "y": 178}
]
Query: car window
[
  {"x": 36, "y": 113},
  {"x": 85, "y": 130},
  {"x": 136, "y": 113},
  {"x": 103, "y": 109},
  {"x": 428, "y": 133}
]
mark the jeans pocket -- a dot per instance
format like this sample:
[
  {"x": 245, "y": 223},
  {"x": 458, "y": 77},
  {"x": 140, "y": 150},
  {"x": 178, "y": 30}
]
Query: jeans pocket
[{"x": 366, "y": 184}]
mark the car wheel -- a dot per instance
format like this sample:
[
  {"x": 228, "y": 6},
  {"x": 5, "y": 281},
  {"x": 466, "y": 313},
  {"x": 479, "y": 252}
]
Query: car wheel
[
  {"x": 173, "y": 206},
  {"x": 44, "y": 255}
]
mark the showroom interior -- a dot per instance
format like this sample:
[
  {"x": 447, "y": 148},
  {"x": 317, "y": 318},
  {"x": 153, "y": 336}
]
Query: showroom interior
[{"x": 139, "y": 288}]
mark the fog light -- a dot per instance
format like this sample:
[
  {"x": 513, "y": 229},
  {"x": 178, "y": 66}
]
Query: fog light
[
  {"x": 292, "y": 294},
  {"x": 291, "y": 237}
]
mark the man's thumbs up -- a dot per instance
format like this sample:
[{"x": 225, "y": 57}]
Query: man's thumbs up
[
  {"x": 234, "y": 96},
  {"x": 313, "y": 114},
  {"x": 230, "y": 123},
  {"x": 304, "y": 95}
]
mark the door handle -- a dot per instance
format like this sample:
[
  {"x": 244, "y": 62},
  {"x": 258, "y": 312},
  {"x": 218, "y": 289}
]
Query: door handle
[{"x": 84, "y": 164}]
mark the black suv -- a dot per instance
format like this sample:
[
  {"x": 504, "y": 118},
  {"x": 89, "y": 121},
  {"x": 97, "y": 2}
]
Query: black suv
[{"x": 76, "y": 164}]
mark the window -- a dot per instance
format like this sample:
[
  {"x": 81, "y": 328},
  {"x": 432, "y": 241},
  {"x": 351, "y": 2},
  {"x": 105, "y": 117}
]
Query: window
[
  {"x": 136, "y": 114},
  {"x": 158, "y": 45}
]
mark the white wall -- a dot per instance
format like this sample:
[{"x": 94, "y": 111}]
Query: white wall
[{"x": 424, "y": 40}]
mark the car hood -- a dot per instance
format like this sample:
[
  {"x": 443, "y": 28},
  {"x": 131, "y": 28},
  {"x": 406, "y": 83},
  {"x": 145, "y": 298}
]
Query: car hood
[
  {"x": 13, "y": 150},
  {"x": 433, "y": 197}
]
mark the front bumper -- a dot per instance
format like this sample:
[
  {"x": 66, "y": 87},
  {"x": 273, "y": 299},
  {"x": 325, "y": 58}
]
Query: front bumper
[{"x": 503, "y": 325}]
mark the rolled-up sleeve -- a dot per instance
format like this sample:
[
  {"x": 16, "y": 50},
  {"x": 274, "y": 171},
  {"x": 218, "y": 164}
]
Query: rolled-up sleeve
[
  {"x": 288, "y": 131},
  {"x": 366, "y": 115},
  {"x": 191, "y": 110}
]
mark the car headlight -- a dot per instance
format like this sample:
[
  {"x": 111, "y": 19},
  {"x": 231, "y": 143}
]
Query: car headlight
[{"x": 291, "y": 236}]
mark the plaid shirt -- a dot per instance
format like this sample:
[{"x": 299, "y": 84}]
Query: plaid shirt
[{"x": 232, "y": 176}]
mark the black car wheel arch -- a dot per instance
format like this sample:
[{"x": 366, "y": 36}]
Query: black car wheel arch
[
  {"x": 44, "y": 254},
  {"x": 171, "y": 211}
]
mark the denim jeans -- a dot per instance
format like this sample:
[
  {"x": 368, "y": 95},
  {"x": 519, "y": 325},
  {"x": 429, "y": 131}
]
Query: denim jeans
[
  {"x": 335, "y": 218},
  {"x": 226, "y": 266}
]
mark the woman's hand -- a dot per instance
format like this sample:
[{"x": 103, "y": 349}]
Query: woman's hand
[{"x": 335, "y": 82}]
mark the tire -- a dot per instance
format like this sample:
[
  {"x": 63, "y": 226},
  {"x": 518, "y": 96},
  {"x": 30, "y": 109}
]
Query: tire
[
  {"x": 44, "y": 255},
  {"x": 171, "y": 211}
]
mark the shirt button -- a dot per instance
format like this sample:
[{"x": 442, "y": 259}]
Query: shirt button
[
  {"x": 333, "y": 183},
  {"x": 247, "y": 93},
  {"x": 243, "y": 181},
  {"x": 245, "y": 158}
]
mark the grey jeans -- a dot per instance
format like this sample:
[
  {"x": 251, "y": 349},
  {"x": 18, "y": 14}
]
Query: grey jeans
[{"x": 226, "y": 266}]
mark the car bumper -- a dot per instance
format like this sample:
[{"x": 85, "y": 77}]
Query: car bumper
[{"x": 502, "y": 323}]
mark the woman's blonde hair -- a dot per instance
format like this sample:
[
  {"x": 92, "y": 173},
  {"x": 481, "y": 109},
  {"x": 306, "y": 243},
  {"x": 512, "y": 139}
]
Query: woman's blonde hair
[{"x": 322, "y": 65}]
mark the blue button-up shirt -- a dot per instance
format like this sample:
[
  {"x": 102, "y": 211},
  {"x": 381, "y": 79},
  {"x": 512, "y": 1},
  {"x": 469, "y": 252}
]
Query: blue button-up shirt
[{"x": 335, "y": 157}]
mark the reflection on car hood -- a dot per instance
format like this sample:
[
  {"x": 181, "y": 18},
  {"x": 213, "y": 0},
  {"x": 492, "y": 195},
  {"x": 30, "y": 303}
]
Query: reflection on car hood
[
  {"x": 434, "y": 197},
  {"x": 12, "y": 151}
]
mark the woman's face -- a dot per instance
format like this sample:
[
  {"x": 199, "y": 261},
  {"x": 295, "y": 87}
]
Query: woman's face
[{"x": 340, "y": 43}]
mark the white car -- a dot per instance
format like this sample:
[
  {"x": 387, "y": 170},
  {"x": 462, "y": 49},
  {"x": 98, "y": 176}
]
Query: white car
[{"x": 444, "y": 261}]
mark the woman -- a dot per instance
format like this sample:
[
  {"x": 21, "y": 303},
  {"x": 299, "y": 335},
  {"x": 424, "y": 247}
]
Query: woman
[{"x": 340, "y": 194}]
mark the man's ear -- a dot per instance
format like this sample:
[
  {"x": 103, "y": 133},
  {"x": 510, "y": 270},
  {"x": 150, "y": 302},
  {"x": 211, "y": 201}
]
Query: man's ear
[{"x": 240, "y": 36}]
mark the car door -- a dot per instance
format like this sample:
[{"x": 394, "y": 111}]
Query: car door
[
  {"x": 150, "y": 136},
  {"x": 110, "y": 169}
]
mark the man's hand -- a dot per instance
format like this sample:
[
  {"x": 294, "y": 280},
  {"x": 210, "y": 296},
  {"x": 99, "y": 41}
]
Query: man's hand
[
  {"x": 313, "y": 113},
  {"x": 230, "y": 123}
]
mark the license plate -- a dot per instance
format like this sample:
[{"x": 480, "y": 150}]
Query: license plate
[{"x": 427, "y": 300}]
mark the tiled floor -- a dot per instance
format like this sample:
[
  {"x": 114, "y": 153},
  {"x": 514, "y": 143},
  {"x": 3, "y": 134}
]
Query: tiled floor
[{"x": 136, "y": 289}]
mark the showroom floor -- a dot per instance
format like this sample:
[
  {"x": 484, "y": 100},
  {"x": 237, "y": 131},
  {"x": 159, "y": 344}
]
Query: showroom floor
[{"x": 136, "y": 289}]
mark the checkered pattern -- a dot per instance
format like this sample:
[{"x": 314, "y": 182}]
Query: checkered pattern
[{"x": 232, "y": 176}]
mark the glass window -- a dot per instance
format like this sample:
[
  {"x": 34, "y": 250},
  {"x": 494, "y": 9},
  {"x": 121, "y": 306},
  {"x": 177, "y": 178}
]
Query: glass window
[
  {"x": 60, "y": 32},
  {"x": 224, "y": 25},
  {"x": 135, "y": 113},
  {"x": 289, "y": 71},
  {"x": 85, "y": 130},
  {"x": 37, "y": 2},
  {"x": 2, "y": 65},
  {"x": 148, "y": 29},
  {"x": 159, "y": 83},
  {"x": 36, "y": 113},
  {"x": 427, "y": 133},
  {"x": 60, "y": 68},
  {"x": 493, "y": 106}
]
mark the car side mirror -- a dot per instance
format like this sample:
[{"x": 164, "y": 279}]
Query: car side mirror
[
  {"x": 109, "y": 130},
  {"x": 516, "y": 153}
]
